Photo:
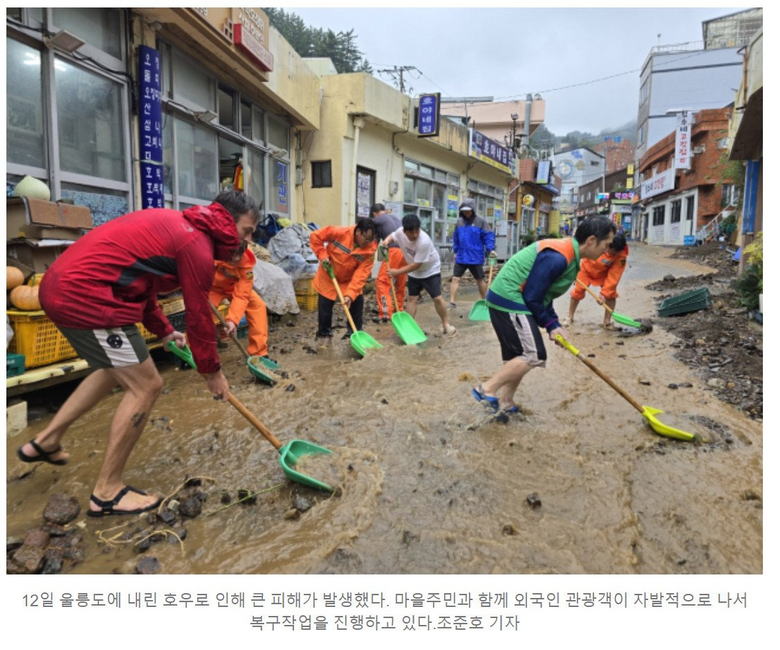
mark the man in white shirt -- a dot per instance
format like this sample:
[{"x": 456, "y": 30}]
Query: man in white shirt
[{"x": 423, "y": 266}]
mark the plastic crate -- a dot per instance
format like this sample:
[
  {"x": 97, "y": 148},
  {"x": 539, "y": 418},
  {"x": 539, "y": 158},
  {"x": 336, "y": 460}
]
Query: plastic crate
[
  {"x": 178, "y": 321},
  {"x": 14, "y": 365},
  {"x": 171, "y": 305},
  {"x": 307, "y": 302},
  {"x": 303, "y": 287},
  {"x": 685, "y": 303},
  {"x": 38, "y": 339}
]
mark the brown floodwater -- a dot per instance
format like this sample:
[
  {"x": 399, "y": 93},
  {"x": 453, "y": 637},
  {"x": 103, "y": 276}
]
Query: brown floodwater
[{"x": 427, "y": 482}]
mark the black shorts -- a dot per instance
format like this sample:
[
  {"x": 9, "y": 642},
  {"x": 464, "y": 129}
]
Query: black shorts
[
  {"x": 476, "y": 270},
  {"x": 432, "y": 284},
  {"x": 519, "y": 336},
  {"x": 113, "y": 347}
]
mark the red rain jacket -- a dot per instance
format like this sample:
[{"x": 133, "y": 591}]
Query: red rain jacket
[{"x": 110, "y": 277}]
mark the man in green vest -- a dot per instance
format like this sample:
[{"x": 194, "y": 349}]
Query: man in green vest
[{"x": 520, "y": 302}]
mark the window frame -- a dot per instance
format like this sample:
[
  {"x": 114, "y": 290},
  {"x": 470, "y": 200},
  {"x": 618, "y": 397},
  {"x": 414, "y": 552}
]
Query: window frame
[{"x": 318, "y": 179}]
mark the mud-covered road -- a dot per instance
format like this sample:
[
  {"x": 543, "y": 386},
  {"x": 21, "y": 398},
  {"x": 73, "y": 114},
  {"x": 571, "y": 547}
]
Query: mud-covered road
[{"x": 579, "y": 484}]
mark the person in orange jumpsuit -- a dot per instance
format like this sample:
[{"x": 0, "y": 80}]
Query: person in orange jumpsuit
[
  {"x": 604, "y": 272},
  {"x": 386, "y": 224},
  {"x": 234, "y": 281},
  {"x": 350, "y": 252}
]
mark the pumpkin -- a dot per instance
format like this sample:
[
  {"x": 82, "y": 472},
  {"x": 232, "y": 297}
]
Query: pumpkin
[
  {"x": 25, "y": 297},
  {"x": 13, "y": 277}
]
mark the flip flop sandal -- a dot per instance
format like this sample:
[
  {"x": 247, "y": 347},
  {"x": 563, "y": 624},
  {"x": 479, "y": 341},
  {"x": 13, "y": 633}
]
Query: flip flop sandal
[
  {"x": 511, "y": 410},
  {"x": 43, "y": 455},
  {"x": 107, "y": 507},
  {"x": 478, "y": 394}
]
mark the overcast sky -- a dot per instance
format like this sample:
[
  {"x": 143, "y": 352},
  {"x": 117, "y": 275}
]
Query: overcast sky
[{"x": 508, "y": 52}]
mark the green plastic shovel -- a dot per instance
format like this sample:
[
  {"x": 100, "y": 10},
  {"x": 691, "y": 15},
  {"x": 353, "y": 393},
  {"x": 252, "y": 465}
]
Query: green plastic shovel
[
  {"x": 480, "y": 311},
  {"x": 261, "y": 368},
  {"x": 403, "y": 322},
  {"x": 361, "y": 341},
  {"x": 648, "y": 412},
  {"x": 618, "y": 318},
  {"x": 289, "y": 454}
]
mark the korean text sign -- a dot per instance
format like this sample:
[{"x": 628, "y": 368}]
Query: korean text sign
[{"x": 150, "y": 126}]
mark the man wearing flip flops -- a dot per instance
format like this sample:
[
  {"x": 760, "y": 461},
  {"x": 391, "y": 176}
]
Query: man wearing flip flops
[
  {"x": 99, "y": 288},
  {"x": 520, "y": 301}
]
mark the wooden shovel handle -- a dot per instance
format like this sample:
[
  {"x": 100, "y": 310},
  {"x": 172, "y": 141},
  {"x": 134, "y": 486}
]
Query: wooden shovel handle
[
  {"x": 592, "y": 293},
  {"x": 491, "y": 266},
  {"x": 254, "y": 421},
  {"x": 343, "y": 304},
  {"x": 590, "y": 365},
  {"x": 232, "y": 336}
]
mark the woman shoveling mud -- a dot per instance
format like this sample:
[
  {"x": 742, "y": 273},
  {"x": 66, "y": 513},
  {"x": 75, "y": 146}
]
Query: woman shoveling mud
[{"x": 99, "y": 288}]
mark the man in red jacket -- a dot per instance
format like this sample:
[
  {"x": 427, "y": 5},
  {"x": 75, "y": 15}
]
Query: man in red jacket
[{"x": 99, "y": 288}]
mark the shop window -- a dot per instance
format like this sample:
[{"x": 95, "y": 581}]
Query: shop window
[
  {"x": 278, "y": 133},
  {"x": 103, "y": 204},
  {"x": 98, "y": 27},
  {"x": 425, "y": 170},
  {"x": 258, "y": 132},
  {"x": 226, "y": 103},
  {"x": 409, "y": 190},
  {"x": 280, "y": 178},
  {"x": 196, "y": 164},
  {"x": 246, "y": 120},
  {"x": 453, "y": 180},
  {"x": 676, "y": 211},
  {"x": 411, "y": 165},
  {"x": 254, "y": 175},
  {"x": 191, "y": 86},
  {"x": 659, "y": 215},
  {"x": 24, "y": 123},
  {"x": 321, "y": 174},
  {"x": 423, "y": 193},
  {"x": 231, "y": 171},
  {"x": 90, "y": 123}
]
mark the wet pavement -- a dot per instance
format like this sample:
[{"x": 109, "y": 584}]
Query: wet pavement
[{"x": 427, "y": 482}]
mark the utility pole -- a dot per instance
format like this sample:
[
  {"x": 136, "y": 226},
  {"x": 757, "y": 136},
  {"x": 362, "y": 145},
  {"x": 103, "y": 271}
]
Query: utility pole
[{"x": 398, "y": 72}]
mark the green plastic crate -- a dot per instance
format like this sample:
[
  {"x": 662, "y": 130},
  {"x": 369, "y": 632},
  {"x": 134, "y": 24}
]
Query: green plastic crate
[
  {"x": 686, "y": 302},
  {"x": 14, "y": 364}
]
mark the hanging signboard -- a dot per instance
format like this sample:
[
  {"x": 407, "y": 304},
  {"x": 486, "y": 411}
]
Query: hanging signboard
[
  {"x": 658, "y": 184},
  {"x": 543, "y": 171},
  {"x": 150, "y": 127},
  {"x": 682, "y": 141},
  {"x": 428, "y": 115},
  {"x": 490, "y": 152}
]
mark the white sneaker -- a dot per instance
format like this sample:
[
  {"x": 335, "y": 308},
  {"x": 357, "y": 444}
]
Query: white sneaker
[{"x": 449, "y": 330}]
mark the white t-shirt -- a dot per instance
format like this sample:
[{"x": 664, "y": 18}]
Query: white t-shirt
[{"x": 421, "y": 250}]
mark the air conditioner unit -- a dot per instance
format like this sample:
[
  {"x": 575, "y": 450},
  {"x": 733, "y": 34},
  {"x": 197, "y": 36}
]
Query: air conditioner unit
[{"x": 699, "y": 149}]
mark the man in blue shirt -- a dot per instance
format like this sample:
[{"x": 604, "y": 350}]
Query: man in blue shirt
[{"x": 471, "y": 239}]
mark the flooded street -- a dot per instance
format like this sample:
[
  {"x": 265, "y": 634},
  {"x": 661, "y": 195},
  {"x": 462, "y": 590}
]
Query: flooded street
[{"x": 427, "y": 482}]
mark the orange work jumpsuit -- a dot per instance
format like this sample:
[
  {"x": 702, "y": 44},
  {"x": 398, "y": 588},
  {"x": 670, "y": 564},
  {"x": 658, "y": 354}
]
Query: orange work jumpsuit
[
  {"x": 235, "y": 282},
  {"x": 605, "y": 272},
  {"x": 352, "y": 266},
  {"x": 384, "y": 299}
]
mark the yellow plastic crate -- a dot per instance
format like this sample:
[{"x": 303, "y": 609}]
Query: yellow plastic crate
[
  {"x": 39, "y": 340},
  {"x": 307, "y": 302},
  {"x": 303, "y": 287},
  {"x": 171, "y": 305}
]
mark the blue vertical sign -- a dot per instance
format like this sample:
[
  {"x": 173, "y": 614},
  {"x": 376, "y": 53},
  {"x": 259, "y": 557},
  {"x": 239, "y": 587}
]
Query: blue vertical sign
[
  {"x": 150, "y": 126},
  {"x": 428, "y": 115}
]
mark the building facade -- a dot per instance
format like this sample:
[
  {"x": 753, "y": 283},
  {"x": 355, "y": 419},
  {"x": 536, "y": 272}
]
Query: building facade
[
  {"x": 675, "y": 203},
  {"x": 576, "y": 167}
]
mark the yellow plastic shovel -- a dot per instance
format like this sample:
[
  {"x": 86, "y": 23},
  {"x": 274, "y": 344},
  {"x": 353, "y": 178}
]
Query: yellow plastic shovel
[{"x": 648, "y": 412}]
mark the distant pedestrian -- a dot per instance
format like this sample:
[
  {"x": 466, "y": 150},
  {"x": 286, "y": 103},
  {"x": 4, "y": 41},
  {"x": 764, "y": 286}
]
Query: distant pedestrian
[
  {"x": 423, "y": 265},
  {"x": 471, "y": 241},
  {"x": 387, "y": 223},
  {"x": 520, "y": 301}
]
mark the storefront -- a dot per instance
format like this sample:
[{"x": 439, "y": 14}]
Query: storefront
[{"x": 432, "y": 194}]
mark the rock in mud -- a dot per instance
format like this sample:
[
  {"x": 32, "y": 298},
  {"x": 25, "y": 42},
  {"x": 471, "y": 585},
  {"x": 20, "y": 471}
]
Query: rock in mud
[
  {"x": 408, "y": 537},
  {"x": 716, "y": 382},
  {"x": 147, "y": 565},
  {"x": 673, "y": 386},
  {"x": 52, "y": 562},
  {"x": 167, "y": 516},
  {"x": 190, "y": 507},
  {"x": 509, "y": 529},
  {"x": 61, "y": 509},
  {"x": 247, "y": 497},
  {"x": 301, "y": 503},
  {"x": 292, "y": 513},
  {"x": 27, "y": 559},
  {"x": 290, "y": 388},
  {"x": 533, "y": 500},
  {"x": 225, "y": 498},
  {"x": 644, "y": 382}
]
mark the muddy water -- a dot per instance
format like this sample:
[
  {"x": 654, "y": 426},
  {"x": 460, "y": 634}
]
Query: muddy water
[{"x": 429, "y": 484}]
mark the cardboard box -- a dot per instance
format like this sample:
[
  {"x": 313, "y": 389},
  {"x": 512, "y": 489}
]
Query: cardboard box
[
  {"x": 35, "y": 254},
  {"x": 37, "y": 219}
]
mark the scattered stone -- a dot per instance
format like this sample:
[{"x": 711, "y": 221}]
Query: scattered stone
[
  {"x": 592, "y": 356},
  {"x": 61, "y": 509},
  {"x": 225, "y": 498},
  {"x": 147, "y": 565},
  {"x": 290, "y": 388},
  {"x": 310, "y": 349},
  {"x": 673, "y": 386},
  {"x": 644, "y": 382},
  {"x": 193, "y": 482},
  {"x": 751, "y": 495},
  {"x": 384, "y": 401},
  {"x": 52, "y": 562},
  {"x": 301, "y": 503},
  {"x": 247, "y": 497},
  {"x": 534, "y": 501},
  {"x": 190, "y": 507},
  {"x": 408, "y": 537},
  {"x": 509, "y": 529},
  {"x": 181, "y": 531},
  {"x": 716, "y": 382},
  {"x": 167, "y": 516},
  {"x": 292, "y": 513},
  {"x": 686, "y": 384}
]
